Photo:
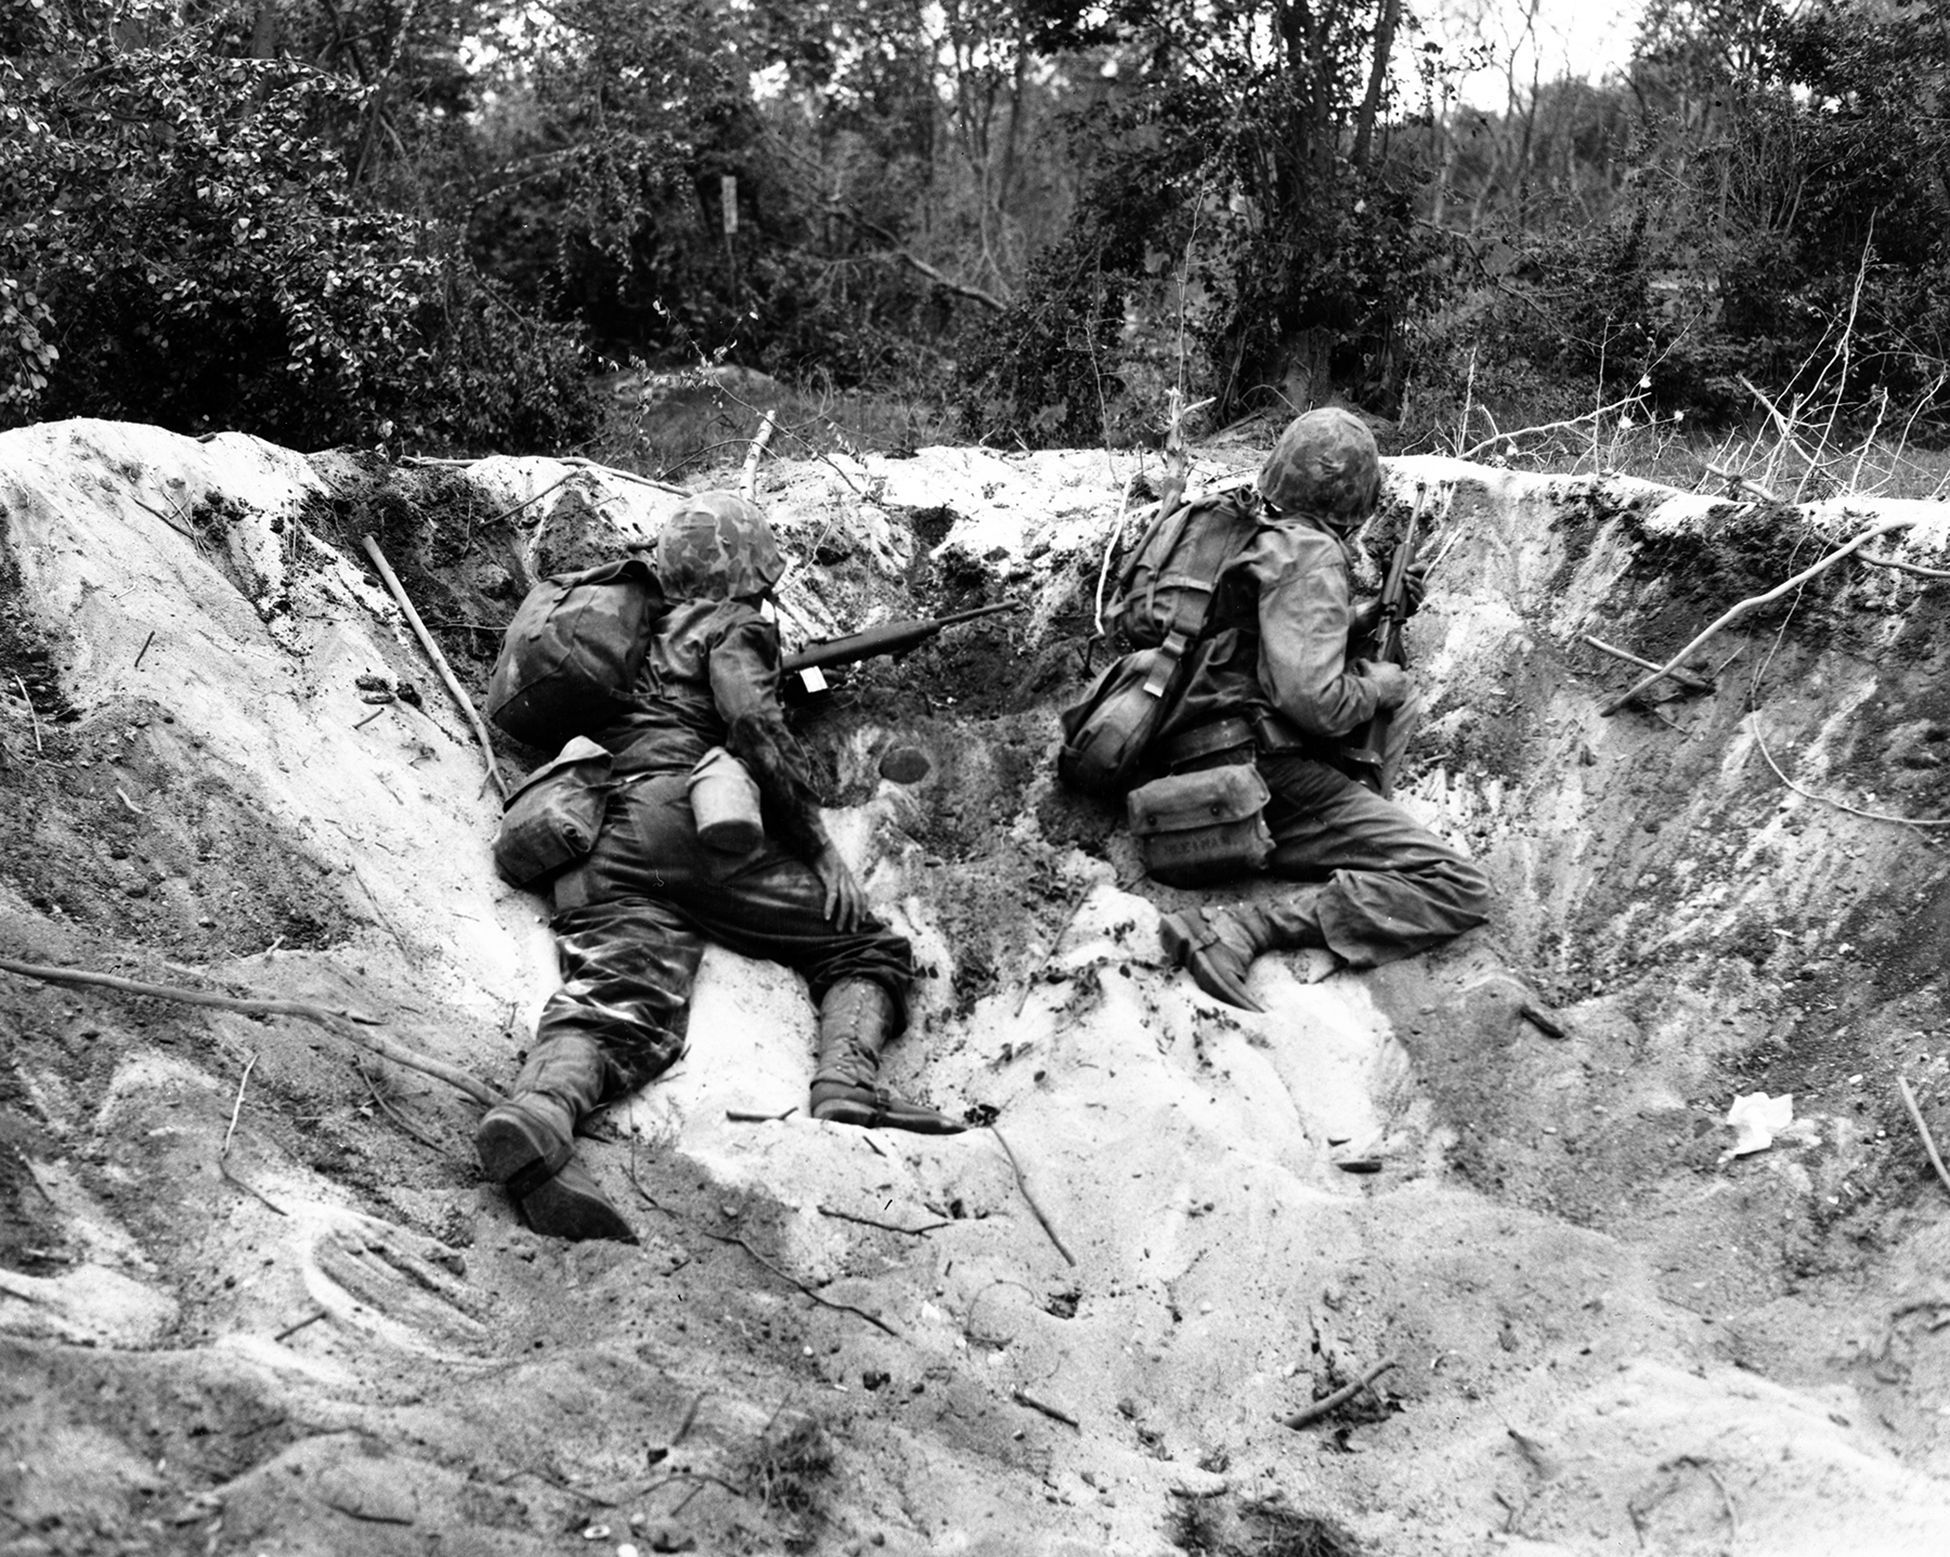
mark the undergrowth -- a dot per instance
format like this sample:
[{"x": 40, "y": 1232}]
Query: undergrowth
[
  {"x": 788, "y": 1471},
  {"x": 702, "y": 429},
  {"x": 1258, "y": 1527}
]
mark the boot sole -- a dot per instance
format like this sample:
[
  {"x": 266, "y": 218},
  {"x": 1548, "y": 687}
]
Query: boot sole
[
  {"x": 873, "y": 1114},
  {"x": 1183, "y": 936},
  {"x": 568, "y": 1204}
]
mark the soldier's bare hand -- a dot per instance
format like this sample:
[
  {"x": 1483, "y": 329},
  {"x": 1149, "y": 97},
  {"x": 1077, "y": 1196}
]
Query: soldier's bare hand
[
  {"x": 1415, "y": 587},
  {"x": 846, "y": 899},
  {"x": 1391, "y": 682}
]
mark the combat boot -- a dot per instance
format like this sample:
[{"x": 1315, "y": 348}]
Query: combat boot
[
  {"x": 855, "y": 1020},
  {"x": 527, "y": 1144},
  {"x": 1217, "y": 945}
]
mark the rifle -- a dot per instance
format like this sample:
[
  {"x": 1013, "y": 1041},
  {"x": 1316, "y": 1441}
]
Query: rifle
[
  {"x": 806, "y": 669},
  {"x": 1366, "y": 745}
]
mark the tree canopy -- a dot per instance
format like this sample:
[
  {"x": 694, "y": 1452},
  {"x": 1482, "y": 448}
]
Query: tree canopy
[{"x": 432, "y": 221}]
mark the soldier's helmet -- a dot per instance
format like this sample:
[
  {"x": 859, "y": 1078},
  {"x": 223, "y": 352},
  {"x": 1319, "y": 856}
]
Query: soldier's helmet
[
  {"x": 1326, "y": 465},
  {"x": 718, "y": 546}
]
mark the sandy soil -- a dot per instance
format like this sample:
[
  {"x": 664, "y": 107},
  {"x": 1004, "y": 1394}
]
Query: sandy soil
[{"x": 254, "y": 1299}]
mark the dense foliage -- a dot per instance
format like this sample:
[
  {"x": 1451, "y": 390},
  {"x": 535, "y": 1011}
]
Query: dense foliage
[{"x": 430, "y": 222}]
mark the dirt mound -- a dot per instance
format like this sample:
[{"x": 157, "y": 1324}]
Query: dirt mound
[{"x": 253, "y": 1298}]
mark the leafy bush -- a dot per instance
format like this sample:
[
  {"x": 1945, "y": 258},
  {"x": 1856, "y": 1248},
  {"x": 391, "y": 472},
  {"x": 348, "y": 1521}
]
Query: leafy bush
[{"x": 182, "y": 225}]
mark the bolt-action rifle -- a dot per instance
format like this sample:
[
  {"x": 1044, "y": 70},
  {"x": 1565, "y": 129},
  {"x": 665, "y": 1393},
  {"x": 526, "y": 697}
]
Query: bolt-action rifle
[
  {"x": 1366, "y": 745},
  {"x": 805, "y": 670}
]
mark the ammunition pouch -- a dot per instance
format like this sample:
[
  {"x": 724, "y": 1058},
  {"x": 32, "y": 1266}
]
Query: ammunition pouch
[
  {"x": 1204, "y": 826},
  {"x": 553, "y": 819}
]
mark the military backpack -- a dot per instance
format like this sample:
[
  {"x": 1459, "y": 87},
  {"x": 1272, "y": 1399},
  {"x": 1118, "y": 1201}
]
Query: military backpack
[
  {"x": 1164, "y": 595},
  {"x": 570, "y": 657}
]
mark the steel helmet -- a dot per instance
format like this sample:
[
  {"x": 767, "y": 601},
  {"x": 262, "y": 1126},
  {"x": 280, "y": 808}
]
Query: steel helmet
[
  {"x": 717, "y": 546},
  {"x": 1325, "y": 464}
]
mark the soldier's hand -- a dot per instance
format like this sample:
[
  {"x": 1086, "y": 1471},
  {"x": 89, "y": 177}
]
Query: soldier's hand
[
  {"x": 846, "y": 899},
  {"x": 1415, "y": 586},
  {"x": 1391, "y": 682}
]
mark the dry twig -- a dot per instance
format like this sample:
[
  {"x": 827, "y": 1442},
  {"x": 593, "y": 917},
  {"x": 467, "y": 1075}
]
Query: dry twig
[
  {"x": 237, "y": 1107},
  {"x": 786, "y": 1276},
  {"x": 1839, "y": 805},
  {"x": 33, "y": 718},
  {"x": 1685, "y": 678},
  {"x": 454, "y": 688},
  {"x": 1754, "y": 603},
  {"x": 885, "y": 1227},
  {"x": 748, "y": 485},
  {"x": 1923, "y": 1129},
  {"x": 1329, "y": 1404},
  {"x": 1876, "y": 560},
  {"x": 1022, "y": 1397},
  {"x": 346, "y": 1024},
  {"x": 1571, "y": 421},
  {"x": 1023, "y": 1185}
]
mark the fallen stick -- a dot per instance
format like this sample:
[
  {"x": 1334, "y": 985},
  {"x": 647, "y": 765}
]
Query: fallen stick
[
  {"x": 1055, "y": 945},
  {"x": 1022, "y": 1397},
  {"x": 885, "y": 1227},
  {"x": 749, "y": 484},
  {"x": 345, "y": 1023},
  {"x": 1751, "y": 604},
  {"x": 786, "y": 1276},
  {"x": 33, "y": 718},
  {"x": 749, "y": 1116},
  {"x": 1876, "y": 561},
  {"x": 1685, "y": 678},
  {"x": 237, "y": 1108},
  {"x": 1766, "y": 494},
  {"x": 1923, "y": 1129},
  {"x": 1329, "y": 1404},
  {"x": 454, "y": 688},
  {"x": 1542, "y": 1020},
  {"x": 1023, "y": 1185},
  {"x": 1839, "y": 805}
]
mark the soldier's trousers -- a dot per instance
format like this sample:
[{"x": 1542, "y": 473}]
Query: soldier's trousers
[
  {"x": 633, "y": 919},
  {"x": 1392, "y": 888}
]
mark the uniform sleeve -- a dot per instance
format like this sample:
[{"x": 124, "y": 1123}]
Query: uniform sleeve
[
  {"x": 1304, "y": 613},
  {"x": 744, "y": 675}
]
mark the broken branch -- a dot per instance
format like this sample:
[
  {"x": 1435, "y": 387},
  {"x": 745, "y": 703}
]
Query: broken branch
[
  {"x": 1875, "y": 560},
  {"x": 1923, "y": 1129},
  {"x": 885, "y": 1227},
  {"x": 1022, "y": 1397},
  {"x": 1023, "y": 1185},
  {"x": 1685, "y": 678},
  {"x": 1754, "y": 603},
  {"x": 1329, "y": 1404},
  {"x": 748, "y": 486},
  {"x": 345, "y": 1023},
  {"x": 33, "y": 717},
  {"x": 237, "y": 1108},
  {"x": 1839, "y": 805},
  {"x": 454, "y": 688}
]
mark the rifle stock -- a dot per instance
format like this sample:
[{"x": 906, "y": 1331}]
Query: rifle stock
[{"x": 806, "y": 667}]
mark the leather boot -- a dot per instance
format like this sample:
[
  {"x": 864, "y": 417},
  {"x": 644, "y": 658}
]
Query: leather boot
[
  {"x": 527, "y": 1143},
  {"x": 1217, "y": 945},
  {"x": 855, "y": 1019}
]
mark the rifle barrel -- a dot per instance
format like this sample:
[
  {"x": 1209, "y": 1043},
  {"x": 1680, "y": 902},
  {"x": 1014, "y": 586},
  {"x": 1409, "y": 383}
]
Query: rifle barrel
[{"x": 886, "y": 638}]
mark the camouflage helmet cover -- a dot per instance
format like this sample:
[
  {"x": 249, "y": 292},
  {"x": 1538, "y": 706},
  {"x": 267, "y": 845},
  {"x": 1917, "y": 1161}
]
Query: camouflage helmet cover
[
  {"x": 717, "y": 546},
  {"x": 1325, "y": 464}
]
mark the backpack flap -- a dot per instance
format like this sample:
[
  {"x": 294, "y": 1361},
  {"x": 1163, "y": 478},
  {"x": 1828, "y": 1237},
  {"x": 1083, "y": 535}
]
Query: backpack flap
[
  {"x": 1167, "y": 586},
  {"x": 570, "y": 657},
  {"x": 553, "y": 819},
  {"x": 1195, "y": 829},
  {"x": 1105, "y": 734}
]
